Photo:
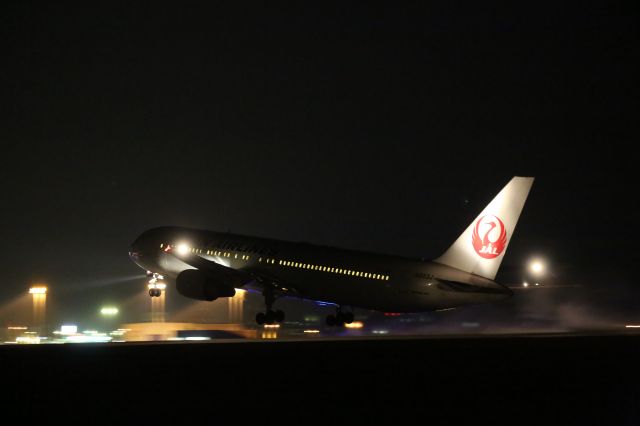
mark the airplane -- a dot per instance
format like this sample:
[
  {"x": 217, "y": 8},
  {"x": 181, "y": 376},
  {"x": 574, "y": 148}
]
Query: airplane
[{"x": 207, "y": 265}]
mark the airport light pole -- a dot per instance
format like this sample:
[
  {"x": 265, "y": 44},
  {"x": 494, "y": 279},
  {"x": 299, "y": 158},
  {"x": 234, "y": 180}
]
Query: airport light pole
[{"x": 39, "y": 296}]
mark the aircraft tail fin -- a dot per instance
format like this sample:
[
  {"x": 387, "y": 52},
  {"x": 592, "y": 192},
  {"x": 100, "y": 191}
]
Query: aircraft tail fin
[{"x": 481, "y": 247}]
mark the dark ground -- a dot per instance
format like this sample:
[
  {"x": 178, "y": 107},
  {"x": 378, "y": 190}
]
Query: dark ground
[{"x": 543, "y": 380}]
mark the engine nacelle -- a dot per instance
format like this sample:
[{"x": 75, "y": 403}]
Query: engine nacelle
[{"x": 199, "y": 285}]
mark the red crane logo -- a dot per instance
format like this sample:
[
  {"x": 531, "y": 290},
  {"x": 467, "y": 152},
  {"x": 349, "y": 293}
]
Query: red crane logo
[{"x": 493, "y": 239}]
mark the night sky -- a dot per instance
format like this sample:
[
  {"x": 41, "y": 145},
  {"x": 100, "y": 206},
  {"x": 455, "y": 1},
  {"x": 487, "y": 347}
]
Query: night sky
[{"x": 380, "y": 129}]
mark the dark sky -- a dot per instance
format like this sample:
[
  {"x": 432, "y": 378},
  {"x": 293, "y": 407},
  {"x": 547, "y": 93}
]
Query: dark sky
[{"x": 382, "y": 129}]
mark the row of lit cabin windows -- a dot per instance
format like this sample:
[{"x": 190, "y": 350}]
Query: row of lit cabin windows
[
  {"x": 227, "y": 254},
  {"x": 209, "y": 252},
  {"x": 293, "y": 264},
  {"x": 328, "y": 269}
]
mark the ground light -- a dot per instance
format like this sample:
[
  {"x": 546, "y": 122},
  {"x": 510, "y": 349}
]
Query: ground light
[{"x": 109, "y": 311}]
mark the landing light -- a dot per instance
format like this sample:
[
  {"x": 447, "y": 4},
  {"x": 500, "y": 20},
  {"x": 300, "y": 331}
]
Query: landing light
[
  {"x": 38, "y": 290},
  {"x": 183, "y": 249}
]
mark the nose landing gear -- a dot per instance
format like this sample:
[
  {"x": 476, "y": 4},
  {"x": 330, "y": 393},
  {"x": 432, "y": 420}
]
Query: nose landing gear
[{"x": 156, "y": 286}]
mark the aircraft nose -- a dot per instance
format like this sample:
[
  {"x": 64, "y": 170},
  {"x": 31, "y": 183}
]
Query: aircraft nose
[{"x": 135, "y": 250}]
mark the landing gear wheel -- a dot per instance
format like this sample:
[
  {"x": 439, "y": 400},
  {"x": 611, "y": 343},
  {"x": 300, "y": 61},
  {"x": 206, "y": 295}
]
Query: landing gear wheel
[
  {"x": 331, "y": 320},
  {"x": 341, "y": 318},
  {"x": 270, "y": 317},
  {"x": 279, "y": 316},
  {"x": 151, "y": 292},
  {"x": 348, "y": 317},
  {"x": 261, "y": 318}
]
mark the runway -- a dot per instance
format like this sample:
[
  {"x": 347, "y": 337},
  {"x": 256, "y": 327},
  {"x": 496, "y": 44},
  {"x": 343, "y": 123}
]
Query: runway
[{"x": 505, "y": 379}]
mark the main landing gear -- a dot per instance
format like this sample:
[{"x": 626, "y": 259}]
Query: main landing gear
[
  {"x": 271, "y": 316},
  {"x": 340, "y": 318}
]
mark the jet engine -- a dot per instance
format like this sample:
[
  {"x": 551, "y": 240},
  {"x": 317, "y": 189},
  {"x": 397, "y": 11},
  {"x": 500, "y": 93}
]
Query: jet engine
[{"x": 196, "y": 284}]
